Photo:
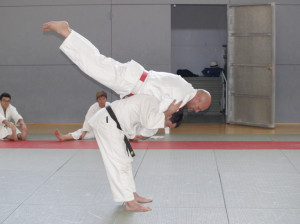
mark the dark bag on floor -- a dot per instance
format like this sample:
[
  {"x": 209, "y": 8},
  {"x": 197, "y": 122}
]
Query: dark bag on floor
[
  {"x": 186, "y": 73},
  {"x": 212, "y": 72}
]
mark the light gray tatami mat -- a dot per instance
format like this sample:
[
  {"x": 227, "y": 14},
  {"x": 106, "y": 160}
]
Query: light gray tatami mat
[
  {"x": 263, "y": 216},
  {"x": 253, "y": 161},
  {"x": 175, "y": 216},
  {"x": 17, "y": 186},
  {"x": 35, "y": 159},
  {"x": 6, "y": 210},
  {"x": 62, "y": 186},
  {"x": 294, "y": 157},
  {"x": 261, "y": 190}
]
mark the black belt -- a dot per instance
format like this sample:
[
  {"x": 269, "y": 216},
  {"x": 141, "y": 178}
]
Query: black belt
[{"x": 113, "y": 116}]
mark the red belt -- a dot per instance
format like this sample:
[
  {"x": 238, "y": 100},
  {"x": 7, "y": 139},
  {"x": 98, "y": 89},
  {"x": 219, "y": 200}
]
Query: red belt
[{"x": 142, "y": 78}]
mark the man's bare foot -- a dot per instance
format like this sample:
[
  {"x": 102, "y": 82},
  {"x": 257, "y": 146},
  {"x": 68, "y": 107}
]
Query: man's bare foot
[
  {"x": 24, "y": 133},
  {"x": 141, "y": 199},
  {"x": 14, "y": 135},
  {"x": 19, "y": 136},
  {"x": 58, "y": 135},
  {"x": 60, "y": 27},
  {"x": 134, "y": 206}
]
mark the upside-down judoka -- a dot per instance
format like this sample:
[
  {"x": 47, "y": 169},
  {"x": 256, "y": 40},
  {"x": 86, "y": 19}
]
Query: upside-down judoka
[{"x": 128, "y": 78}]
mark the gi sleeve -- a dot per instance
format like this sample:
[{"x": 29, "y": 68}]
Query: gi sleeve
[
  {"x": 150, "y": 116},
  {"x": 147, "y": 132},
  {"x": 86, "y": 126},
  {"x": 92, "y": 110},
  {"x": 2, "y": 118},
  {"x": 15, "y": 115}
]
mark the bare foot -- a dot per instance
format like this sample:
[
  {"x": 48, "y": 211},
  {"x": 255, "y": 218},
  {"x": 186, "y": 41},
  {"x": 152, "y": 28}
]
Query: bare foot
[
  {"x": 24, "y": 133},
  {"x": 60, "y": 27},
  {"x": 58, "y": 135},
  {"x": 141, "y": 199},
  {"x": 19, "y": 136},
  {"x": 134, "y": 206},
  {"x": 14, "y": 134}
]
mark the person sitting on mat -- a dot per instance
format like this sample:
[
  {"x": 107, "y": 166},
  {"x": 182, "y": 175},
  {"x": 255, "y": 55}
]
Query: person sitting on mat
[
  {"x": 86, "y": 132},
  {"x": 8, "y": 112}
]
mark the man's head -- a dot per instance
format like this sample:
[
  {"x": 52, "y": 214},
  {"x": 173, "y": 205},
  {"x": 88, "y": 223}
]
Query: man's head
[
  {"x": 5, "y": 100},
  {"x": 200, "y": 102},
  {"x": 101, "y": 98},
  {"x": 175, "y": 120}
]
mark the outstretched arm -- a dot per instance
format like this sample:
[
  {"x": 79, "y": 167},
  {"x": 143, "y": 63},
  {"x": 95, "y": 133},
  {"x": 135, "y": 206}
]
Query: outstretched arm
[
  {"x": 9, "y": 124},
  {"x": 60, "y": 27},
  {"x": 13, "y": 128}
]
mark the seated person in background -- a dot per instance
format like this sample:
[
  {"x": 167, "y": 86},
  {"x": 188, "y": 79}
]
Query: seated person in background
[
  {"x": 86, "y": 132},
  {"x": 8, "y": 112}
]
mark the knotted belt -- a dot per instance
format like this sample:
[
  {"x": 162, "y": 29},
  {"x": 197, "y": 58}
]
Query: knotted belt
[
  {"x": 142, "y": 79},
  {"x": 128, "y": 146}
]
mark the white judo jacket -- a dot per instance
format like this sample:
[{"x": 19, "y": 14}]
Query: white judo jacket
[
  {"x": 92, "y": 110},
  {"x": 11, "y": 115},
  {"x": 124, "y": 78},
  {"x": 133, "y": 114}
]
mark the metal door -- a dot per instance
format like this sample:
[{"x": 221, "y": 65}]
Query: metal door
[{"x": 251, "y": 65}]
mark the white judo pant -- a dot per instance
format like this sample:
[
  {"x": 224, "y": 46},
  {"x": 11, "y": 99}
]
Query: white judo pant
[
  {"x": 76, "y": 134},
  {"x": 117, "y": 162},
  {"x": 5, "y": 131}
]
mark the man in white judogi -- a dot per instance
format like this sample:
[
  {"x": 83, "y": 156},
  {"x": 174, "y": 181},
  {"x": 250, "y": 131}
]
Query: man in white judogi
[
  {"x": 86, "y": 131},
  {"x": 8, "y": 113},
  {"x": 130, "y": 77},
  {"x": 132, "y": 113}
]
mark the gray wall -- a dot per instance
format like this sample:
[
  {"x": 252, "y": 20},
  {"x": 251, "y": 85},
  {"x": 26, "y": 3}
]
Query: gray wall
[
  {"x": 44, "y": 85},
  {"x": 47, "y": 88},
  {"x": 198, "y": 33},
  {"x": 288, "y": 63}
]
